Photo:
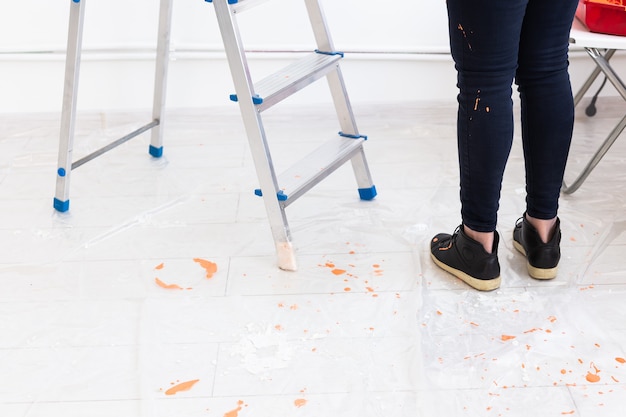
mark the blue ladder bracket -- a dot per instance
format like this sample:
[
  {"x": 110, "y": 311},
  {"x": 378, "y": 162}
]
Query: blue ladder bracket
[
  {"x": 346, "y": 135},
  {"x": 156, "y": 152},
  {"x": 61, "y": 206},
  {"x": 317, "y": 51},
  {"x": 367, "y": 193},
  {"x": 229, "y": 1},
  {"x": 255, "y": 98},
  {"x": 280, "y": 195}
]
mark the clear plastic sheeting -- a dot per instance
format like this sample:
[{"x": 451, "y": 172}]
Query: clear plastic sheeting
[{"x": 158, "y": 294}]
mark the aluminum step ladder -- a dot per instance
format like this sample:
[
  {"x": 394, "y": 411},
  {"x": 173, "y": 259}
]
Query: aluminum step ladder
[
  {"x": 279, "y": 191},
  {"x": 70, "y": 94}
]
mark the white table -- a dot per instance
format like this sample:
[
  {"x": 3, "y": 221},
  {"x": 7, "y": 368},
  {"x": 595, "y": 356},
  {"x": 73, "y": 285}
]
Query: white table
[{"x": 600, "y": 48}]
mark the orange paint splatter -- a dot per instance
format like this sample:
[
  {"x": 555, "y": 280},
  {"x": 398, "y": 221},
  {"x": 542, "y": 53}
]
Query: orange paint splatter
[
  {"x": 568, "y": 412},
  {"x": 347, "y": 289},
  {"x": 534, "y": 329},
  {"x": 338, "y": 271},
  {"x": 369, "y": 289},
  {"x": 183, "y": 386},
  {"x": 235, "y": 412},
  {"x": 505, "y": 337},
  {"x": 615, "y": 379},
  {"x": 209, "y": 267},
  {"x": 300, "y": 402},
  {"x": 593, "y": 377},
  {"x": 159, "y": 266},
  {"x": 620, "y": 360},
  {"x": 439, "y": 313},
  {"x": 167, "y": 286},
  {"x": 329, "y": 264}
]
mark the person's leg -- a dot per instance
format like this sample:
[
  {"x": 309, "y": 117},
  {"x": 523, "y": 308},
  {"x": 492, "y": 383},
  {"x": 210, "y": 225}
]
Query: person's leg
[
  {"x": 547, "y": 106},
  {"x": 484, "y": 40},
  {"x": 547, "y": 109}
]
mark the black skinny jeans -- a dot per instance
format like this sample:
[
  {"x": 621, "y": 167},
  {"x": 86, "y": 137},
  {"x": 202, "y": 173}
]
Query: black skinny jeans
[{"x": 494, "y": 42}]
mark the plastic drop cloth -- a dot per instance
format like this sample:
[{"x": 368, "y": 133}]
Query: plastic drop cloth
[{"x": 157, "y": 293}]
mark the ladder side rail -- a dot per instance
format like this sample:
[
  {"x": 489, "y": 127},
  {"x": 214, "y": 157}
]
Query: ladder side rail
[
  {"x": 334, "y": 78},
  {"x": 160, "y": 76},
  {"x": 233, "y": 46},
  {"x": 340, "y": 98},
  {"x": 320, "y": 28},
  {"x": 68, "y": 111},
  {"x": 347, "y": 121}
]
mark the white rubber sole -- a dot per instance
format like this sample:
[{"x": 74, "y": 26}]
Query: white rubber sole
[
  {"x": 479, "y": 284},
  {"x": 536, "y": 273}
]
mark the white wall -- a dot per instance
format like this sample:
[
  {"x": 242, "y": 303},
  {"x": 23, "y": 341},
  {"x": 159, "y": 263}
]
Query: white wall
[{"x": 395, "y": 50}]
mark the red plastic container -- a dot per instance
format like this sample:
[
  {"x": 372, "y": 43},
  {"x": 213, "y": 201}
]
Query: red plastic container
[{"x": 605, "y": 16}]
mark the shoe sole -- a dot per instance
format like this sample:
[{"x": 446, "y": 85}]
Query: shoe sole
[
  {"x": 534, "y": 272},
  {"x": 479, "y": 284}
]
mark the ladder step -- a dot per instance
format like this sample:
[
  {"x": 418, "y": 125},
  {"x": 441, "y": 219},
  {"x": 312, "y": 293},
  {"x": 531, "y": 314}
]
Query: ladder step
[
  {"x": 292, "y": 78},
  {"x": 313, "y": 168}
]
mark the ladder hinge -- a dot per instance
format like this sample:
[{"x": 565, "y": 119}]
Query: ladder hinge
[
  {"x": 229, "y": 1},
  {"x": 317, "y": 51},
  {"x": 346, "y": 135}
]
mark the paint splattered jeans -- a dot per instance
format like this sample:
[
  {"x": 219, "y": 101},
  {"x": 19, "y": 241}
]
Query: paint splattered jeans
[{"x": 493, "y": 43}]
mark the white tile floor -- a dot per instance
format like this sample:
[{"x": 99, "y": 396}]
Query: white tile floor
[{"x": 86, "y": 329}]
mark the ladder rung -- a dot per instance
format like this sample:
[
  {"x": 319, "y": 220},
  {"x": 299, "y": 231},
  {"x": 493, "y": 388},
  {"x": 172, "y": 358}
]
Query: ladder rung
[
  {"x": 294, "y": 77},
  {"x": 316, "y": 166}
]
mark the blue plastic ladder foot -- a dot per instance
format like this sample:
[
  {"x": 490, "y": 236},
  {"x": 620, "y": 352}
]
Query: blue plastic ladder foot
[
  {"x": 61, "y": 206},
  {"x": 367, "y": 193},
  {"x": 156, "y": 152}
]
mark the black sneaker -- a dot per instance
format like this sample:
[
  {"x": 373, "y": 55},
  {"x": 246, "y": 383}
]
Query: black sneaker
[
  {"x": 542, "y": 258},
  {"x": 466, "y": 259}
]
